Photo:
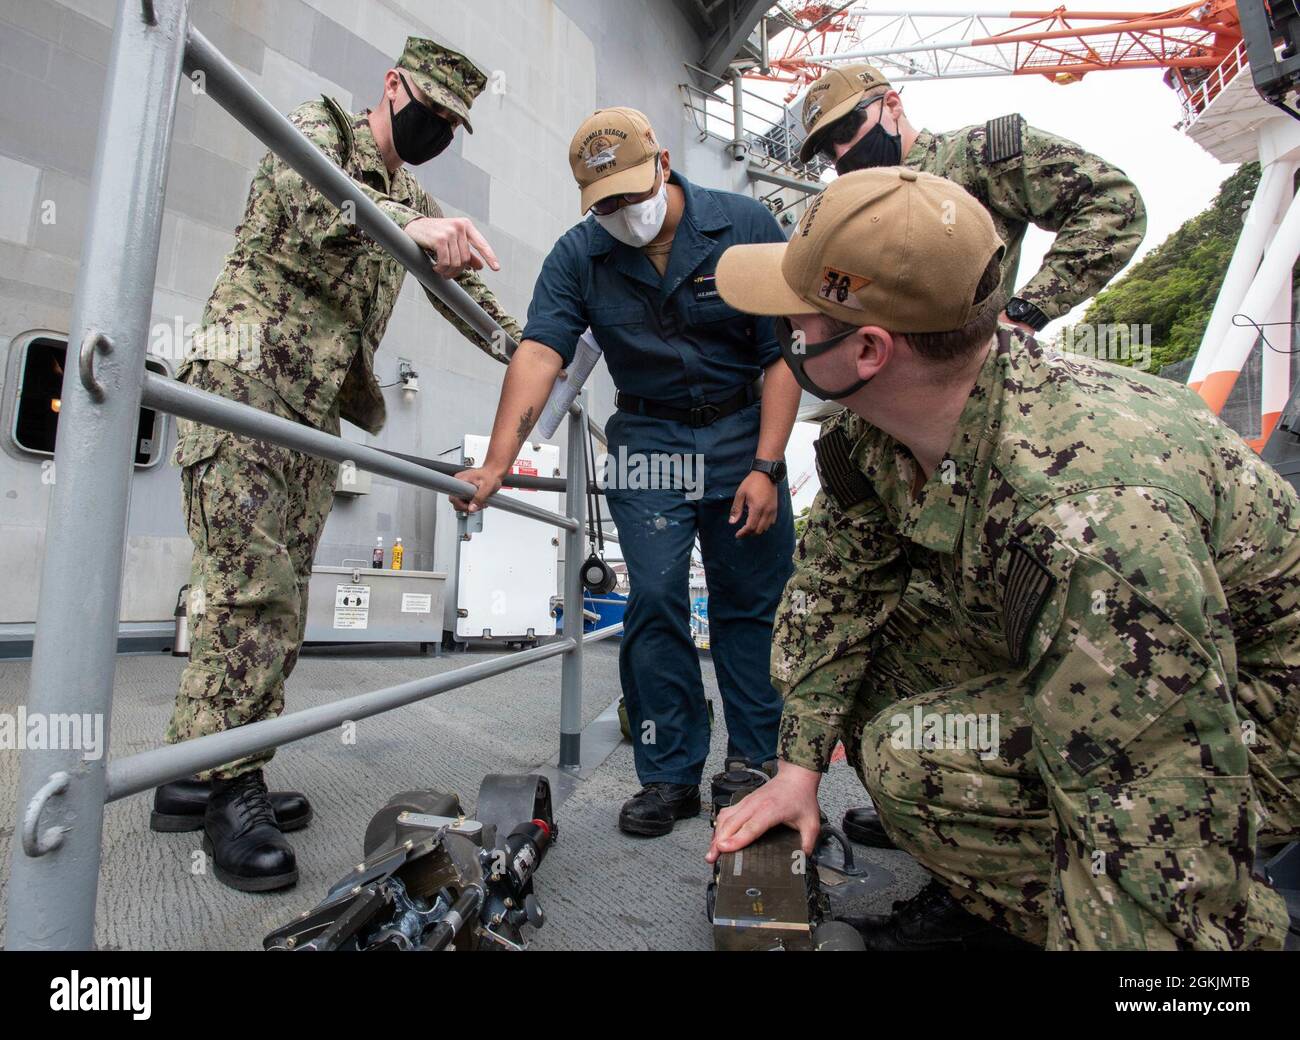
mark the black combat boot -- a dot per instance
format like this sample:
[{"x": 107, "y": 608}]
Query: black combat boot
[
  {"x": 652, "y": 811},
  {"x": 239, "y": 833},
  {"x": 179, "y": 806},
  {"x": 863, "y": 825},
  {"x": 933, "y": 920}
]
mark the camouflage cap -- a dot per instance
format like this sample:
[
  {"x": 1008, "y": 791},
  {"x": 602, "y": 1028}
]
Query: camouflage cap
[
  {"x": 889, "y": 247},
  {"x": 448, "y": 77},
  {"x": 833, "y": 97}
]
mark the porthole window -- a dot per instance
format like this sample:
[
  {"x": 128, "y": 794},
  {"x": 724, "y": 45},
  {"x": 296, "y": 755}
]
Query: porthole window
[{"x": 39, "y": 383}]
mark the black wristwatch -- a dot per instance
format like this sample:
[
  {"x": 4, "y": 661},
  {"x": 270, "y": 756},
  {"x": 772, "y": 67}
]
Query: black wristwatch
[
  {"x": 775, "y": 470},
  {"x": 1027, "y": 314}
]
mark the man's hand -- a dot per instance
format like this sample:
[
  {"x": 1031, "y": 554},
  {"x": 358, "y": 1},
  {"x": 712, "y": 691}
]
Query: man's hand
[
  {"x": 790, "y": 797},
  {"x": 454, "y": 243},
  {"x": 488, "y": 484},
  {"x": 758, "y": 494}
]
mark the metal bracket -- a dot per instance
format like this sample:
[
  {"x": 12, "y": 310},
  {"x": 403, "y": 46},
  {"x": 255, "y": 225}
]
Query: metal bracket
[
  {"x": 34, "y": 844},
  {"x": 93, "y": 341}
]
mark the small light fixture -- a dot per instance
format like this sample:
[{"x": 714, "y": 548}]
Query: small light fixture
[
  {"x": 55, "y": 405},
  {"x": 409, "y": 377}
]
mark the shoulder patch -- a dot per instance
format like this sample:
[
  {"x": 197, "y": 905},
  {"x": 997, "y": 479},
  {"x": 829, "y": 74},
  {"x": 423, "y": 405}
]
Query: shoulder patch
[
  {"x": 344, "y": 125},
  {"x": 1002, "y": 139},
  {"x": 843, "y": 481},
  {"x": 1029, "y": 585}
]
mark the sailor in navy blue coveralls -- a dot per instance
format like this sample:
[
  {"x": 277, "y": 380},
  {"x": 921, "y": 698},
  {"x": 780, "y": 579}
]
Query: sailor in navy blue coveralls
[
  {"x": 688, "y": 369},
  {"x": 672, "y": 341}
]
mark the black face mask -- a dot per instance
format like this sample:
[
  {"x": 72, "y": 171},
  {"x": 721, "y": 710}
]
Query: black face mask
[
  {"x": 878, "y": 147},
  {"x": 797, "y": 353},
  {"x": 419, "y": 133}
]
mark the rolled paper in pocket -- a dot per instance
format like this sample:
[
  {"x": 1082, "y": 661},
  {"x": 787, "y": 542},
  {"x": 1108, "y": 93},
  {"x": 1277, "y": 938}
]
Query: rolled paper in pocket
[{"x": 566, "y": 388}]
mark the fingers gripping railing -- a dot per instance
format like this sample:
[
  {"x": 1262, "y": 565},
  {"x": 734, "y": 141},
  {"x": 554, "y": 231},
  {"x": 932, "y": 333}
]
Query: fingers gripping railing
[{"x": 55, "y": 868}]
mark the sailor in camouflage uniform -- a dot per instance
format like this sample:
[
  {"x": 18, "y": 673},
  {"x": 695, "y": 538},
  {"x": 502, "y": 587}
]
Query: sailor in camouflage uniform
[
  {"x": 854, "y": 119},
  {"x": 291, "y": 328},
  {"x": 1073, "y": 558}
]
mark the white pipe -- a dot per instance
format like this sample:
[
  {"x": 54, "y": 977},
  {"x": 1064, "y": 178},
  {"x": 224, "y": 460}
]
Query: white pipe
[
  {"x": 1275, "y": 371},
  {"x": 1274, "y": 272},
  {"x": 1258, "y": 228}
]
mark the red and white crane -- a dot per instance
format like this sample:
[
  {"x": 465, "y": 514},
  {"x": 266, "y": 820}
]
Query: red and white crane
[{"x": 1201, "y": 48}]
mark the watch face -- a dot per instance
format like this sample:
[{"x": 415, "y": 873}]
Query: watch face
[{"x": 778, "y": 472}]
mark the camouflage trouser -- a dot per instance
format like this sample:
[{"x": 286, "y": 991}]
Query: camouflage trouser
[
  {"x": 255, "y": 513},
  {"x": 1028, "y": 850}
]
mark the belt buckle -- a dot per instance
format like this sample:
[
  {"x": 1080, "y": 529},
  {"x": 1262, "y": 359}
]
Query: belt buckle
[{"x": 704, "y": 415}]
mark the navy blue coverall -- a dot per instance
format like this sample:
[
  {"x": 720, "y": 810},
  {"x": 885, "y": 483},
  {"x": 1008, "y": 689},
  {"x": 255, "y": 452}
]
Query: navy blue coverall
[{"x": 675, "y": 342}]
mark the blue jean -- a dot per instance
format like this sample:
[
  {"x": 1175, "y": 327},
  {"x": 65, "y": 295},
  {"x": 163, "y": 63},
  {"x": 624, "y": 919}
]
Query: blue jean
[{"x": 658, "y": 662}]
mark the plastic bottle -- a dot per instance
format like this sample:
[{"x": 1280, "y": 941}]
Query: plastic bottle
[
  {"x": 377, "y": 557},
  {"x": 397, "y": 555}
]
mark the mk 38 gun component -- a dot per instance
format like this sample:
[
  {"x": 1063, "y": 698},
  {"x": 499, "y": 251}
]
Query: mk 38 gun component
[
  {"x": 431, "y": 879},
  {"x": 769, "y": 895}
]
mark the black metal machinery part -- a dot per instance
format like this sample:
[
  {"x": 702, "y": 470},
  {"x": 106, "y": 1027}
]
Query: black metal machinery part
[
  {"x": 434, "y": 880},
  {"x": 769, "y": 895}
]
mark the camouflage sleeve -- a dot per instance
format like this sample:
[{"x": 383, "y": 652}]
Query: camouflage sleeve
[
  {"x": 485, "y": 298},
  {"x": 1137, "y": 732},
  {"x": 319, "y": 220},
  {"x": 850, "y": 573},
  {"x": 1096, "y": 211}
]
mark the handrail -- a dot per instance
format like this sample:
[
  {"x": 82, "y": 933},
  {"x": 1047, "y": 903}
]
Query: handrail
[
  {"x": 169, "y": 395},
  {"x": 148, "y": 769},
  {"x": 224, "y": 84}
]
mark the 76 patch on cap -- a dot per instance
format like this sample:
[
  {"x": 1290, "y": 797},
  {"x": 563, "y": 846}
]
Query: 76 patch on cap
[{"x": 842, "y": 288}]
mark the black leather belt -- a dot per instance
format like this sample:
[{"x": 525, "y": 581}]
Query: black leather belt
[{"x": 705, "y": 414}]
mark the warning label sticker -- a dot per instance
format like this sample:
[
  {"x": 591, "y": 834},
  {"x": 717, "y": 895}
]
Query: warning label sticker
[
  {"x": 417, "y": 603},
  {"x": 352, "y": 606}
]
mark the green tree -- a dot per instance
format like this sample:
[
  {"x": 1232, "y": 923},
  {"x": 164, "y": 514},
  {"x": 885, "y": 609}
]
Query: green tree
[{"x": 1173, "y": 287}]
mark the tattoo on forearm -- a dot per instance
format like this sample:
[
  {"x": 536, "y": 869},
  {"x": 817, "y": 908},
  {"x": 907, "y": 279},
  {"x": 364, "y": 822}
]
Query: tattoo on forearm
[{"x": 525, "y": 424}]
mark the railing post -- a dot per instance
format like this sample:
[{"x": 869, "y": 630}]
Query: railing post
[
  {"x": 575, "y": 554},
  {"x": 54, "y": 876}
]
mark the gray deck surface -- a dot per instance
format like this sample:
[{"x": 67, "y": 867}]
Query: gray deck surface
[{"x": 600, "y": 889}]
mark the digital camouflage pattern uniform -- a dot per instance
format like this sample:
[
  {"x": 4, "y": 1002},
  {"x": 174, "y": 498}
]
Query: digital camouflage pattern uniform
[
  {"x": 1108, "y": 571},
  {"x": 318, "y": 294},
  {"x": 1022, "y": 176}
]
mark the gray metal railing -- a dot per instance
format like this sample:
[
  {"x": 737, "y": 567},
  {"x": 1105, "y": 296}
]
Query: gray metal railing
[{"x": 55, "y": 865}]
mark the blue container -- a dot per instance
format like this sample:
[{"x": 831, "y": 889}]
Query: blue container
[{"x": 610, "y": 613}]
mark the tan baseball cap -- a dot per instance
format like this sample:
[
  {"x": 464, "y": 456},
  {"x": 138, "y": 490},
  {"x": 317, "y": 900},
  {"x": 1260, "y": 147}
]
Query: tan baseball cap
[
  {"x": 889, "y": 247},
  {"x": 834, "y": 96},
  {"x": 614, "y": 152}
]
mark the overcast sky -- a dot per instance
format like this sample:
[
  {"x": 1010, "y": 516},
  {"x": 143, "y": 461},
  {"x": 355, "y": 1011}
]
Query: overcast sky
[{"x": 1127, "y": 117}]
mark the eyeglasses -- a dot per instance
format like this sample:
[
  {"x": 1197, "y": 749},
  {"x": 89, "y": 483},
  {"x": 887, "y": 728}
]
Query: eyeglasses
[
  {"x": 614, "y": 203},
  {"x": 843, "y": 130}
]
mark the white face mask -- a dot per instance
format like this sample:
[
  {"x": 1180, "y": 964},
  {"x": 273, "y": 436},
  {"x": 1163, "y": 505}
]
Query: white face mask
[{"x": 640, "y": 223}]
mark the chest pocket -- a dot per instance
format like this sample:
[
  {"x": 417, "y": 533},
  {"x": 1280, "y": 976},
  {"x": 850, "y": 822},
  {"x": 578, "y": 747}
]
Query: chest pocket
[
  {"x": 708, "y": 311},
  {"x": 721, "y": 320},
  {"x": 980, "y": 618}
]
